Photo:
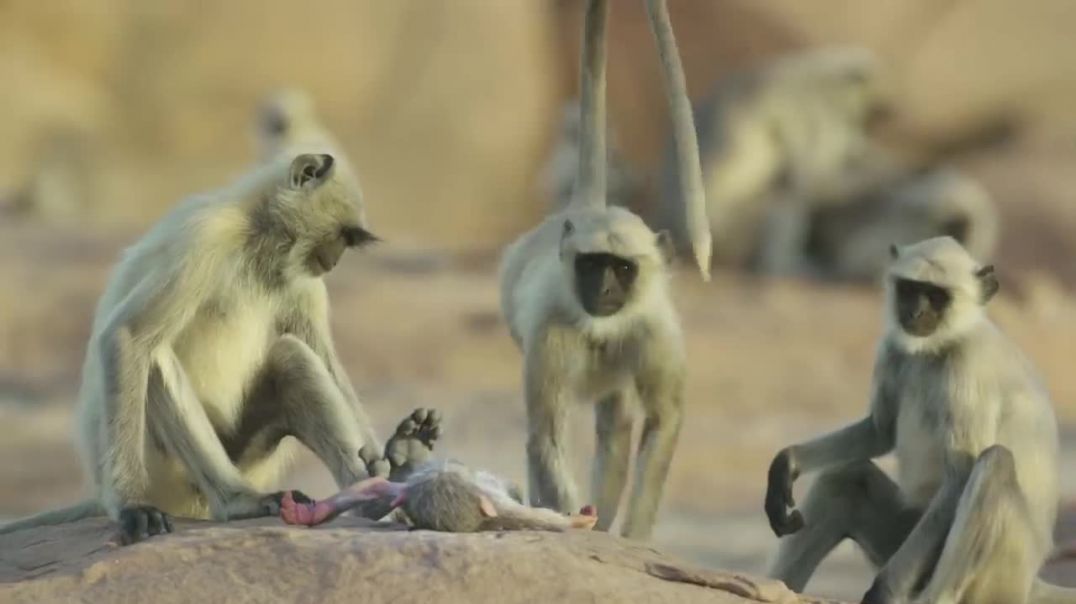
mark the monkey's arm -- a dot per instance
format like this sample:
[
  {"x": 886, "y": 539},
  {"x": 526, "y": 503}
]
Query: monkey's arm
[
  {"x": 310, "y": 323},
  {"x": 146, "y": 319},
  {"x": 318, "y": 512},
  {"x": 870, "y": 437}
]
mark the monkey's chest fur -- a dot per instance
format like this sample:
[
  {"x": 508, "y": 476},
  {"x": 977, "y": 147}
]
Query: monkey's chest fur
[
  {"x": 944, "y": 417},
  {"x": 221, "y": 351}
]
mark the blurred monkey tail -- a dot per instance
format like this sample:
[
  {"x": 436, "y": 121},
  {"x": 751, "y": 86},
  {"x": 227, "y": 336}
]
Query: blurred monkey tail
[{"x": 78, "y": 511}]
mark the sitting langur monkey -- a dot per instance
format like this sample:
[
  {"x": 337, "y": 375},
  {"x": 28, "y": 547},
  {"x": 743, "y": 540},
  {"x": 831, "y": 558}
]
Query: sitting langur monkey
[
  {"x": 970, "y": 517},
  {"x": 442, "y": 496},
  {"x": 775, "y": 138},
  {"x": 211, "y": 344},
  {"x": 586, "y": 299}
]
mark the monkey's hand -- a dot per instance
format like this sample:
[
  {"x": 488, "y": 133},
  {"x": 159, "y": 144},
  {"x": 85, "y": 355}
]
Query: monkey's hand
[
  {"x": 296, "y": 508},
  {"x": 585, "y": 519},
  {"x": 779, "y": 502},
  {"x": 138, "y": 522}
]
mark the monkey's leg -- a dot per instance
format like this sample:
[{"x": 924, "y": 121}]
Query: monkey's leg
[
  {"x": 856, "y": 501},
  {"x": 784, "y": 236},
  {"x": 662, "y": 399},
  {"x": 550, "y": 481},
  {"x": 295, "y": 394},
  {"x": 911, "y": 565},
  {"x": 179, "y": 423},
  {"x": 990, "y": 554},
  {"x": 613, "y": 421},
  {"x": 412, "y": 443}
]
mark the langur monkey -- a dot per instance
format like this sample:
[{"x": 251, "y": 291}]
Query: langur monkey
[
  {"x": 849, "y": 241},
  {"x": 211, "y": 343},
  {"x": 586, "y": 299},
  {"x": 442, "y": 496},
  {"x": 970, "y": 517},
  {"x": 775, "y": 139}
]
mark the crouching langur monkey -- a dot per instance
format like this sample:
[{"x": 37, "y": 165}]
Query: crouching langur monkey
[
  {"x": 970, "y": 517},
  {"x": 211, "y": 344},
  {"x": 586, "y": 298}
]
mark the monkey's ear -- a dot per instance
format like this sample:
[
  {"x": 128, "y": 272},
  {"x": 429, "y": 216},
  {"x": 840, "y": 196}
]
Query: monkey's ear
[
  {"x": 569, "y": 228},
  {"x": 487, "y": 507},
  {"x": 988, "y": 282},
  {"x": 665, "y": 245},
  {"x": 310, "y": 170},
  {"x": 894, "y": 251}
]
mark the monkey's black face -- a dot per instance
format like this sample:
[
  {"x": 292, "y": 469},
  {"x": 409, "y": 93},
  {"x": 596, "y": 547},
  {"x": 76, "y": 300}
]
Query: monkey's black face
[
  {"x": 603, "y": 282},
  {"x": 324, "y": 257},
  {"x": 920, "y": 306}
]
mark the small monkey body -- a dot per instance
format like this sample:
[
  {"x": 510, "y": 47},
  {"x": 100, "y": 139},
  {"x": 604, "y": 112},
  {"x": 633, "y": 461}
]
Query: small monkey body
[
  {"x": 970, "y": 516},
  {"x": 442, "y": 496}
]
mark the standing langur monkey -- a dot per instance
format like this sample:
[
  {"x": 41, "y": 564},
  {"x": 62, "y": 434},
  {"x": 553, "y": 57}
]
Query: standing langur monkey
[
  {"x": 970, "y": 518},
  {"x": 211, "y": 343},
  {"x": 586, "y": 298}
]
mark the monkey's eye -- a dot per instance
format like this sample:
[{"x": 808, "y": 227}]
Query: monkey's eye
[
  {"x": 938, "y": 297},
  {"x": 624, "y": 270}
]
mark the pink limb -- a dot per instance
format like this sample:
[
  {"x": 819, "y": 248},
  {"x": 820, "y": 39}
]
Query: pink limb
[
  {"x": 585, "y": 519},
  {"x": 311, "y": 514}
]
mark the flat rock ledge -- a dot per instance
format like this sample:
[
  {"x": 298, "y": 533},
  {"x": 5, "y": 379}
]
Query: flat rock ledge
[{"x": 353, "y": 560}]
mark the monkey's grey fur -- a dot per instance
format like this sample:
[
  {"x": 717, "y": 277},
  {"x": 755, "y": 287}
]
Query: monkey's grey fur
[
  {"x": 850, "y": 241},
  {"x": 449, "y": 496},
  {"x": 775, "y": 139},
  {"x": 211, "y": 343},
  {"x": 635, "y": 350},
  {"x": 969, "y": 519}
]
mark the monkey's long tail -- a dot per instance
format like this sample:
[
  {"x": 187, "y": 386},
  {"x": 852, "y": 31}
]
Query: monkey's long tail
[
  {"x": 78, "y": 511},
  {"x": 1048, "y": 593}
]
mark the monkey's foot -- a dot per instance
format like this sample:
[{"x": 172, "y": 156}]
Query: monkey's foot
[
  {"x": 307, "y": 513},
  {"x": 142, "y": 521},
  {"x": 412, "y": 444},
  {"x": 585, "y": 519}
]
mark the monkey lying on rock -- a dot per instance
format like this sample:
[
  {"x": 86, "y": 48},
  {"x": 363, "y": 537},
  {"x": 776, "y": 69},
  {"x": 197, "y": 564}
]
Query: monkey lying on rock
[{"x": 436, "y": 495}]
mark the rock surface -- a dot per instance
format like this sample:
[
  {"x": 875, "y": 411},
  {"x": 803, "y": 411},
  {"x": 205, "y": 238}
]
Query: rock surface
[{"x": 353, "y": 560}]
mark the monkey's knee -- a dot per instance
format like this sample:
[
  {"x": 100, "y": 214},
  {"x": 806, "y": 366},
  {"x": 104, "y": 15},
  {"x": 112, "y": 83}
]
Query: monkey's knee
[
  {"x": 997, "y": 459},
  {"x": 291, "y": 354}
]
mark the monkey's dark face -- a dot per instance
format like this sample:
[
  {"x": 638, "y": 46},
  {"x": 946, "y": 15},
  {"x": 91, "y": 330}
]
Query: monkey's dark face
[
  {"x": 324, "y": 256},
  {"x": 604, "y": 282},
  {"x": 920, "y": 306}
]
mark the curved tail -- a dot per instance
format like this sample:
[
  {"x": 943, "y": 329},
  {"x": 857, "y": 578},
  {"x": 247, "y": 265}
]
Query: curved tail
[
  {"x": 78, "y": 511},
  {"x": 684, "y": 136}
]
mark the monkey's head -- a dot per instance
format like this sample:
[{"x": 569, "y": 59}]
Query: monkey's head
[
  {"x": 318, "y": 213},
  {"x": 612, "y": 260},
  {"x": 281, "y": 114},
  {"x": 849, "y": 77},
  {"x": 935, "y": 292},
  {"x": 446, "y": 500}
]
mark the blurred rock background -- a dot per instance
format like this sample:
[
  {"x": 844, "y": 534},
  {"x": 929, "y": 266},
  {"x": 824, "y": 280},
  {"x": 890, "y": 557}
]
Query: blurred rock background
[{"x": 111, "y": 111}]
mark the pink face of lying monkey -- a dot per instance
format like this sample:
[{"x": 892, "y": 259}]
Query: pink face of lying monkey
[{"x": 442, "y": 496}]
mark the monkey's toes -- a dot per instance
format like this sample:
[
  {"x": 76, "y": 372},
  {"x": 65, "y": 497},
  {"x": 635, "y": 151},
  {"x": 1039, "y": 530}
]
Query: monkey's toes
[
  {"x": 413, "y": 441},
  {"x": 140, "y": 522}
]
